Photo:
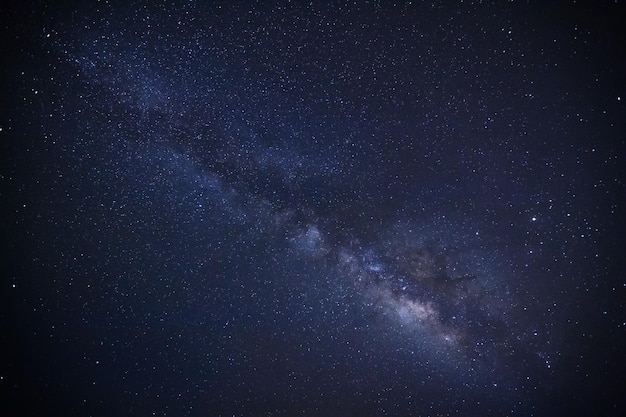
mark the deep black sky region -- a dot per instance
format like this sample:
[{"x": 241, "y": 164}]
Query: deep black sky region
[{"x": 313, "y": 209}]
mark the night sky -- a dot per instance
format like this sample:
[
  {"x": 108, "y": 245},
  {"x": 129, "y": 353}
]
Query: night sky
[{"x": 294, "y": 209}]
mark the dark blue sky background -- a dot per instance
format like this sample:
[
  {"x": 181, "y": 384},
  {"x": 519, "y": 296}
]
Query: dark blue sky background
[{"x": 284, "y": 208}]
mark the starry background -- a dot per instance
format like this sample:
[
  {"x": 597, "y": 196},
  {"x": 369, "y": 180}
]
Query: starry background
[{"x": 284, "y": 208}]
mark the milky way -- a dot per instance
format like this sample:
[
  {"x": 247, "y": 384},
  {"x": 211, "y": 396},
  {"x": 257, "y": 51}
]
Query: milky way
[{"x": 300, "y": 209}]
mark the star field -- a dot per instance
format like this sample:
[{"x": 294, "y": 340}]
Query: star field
[{"x": 291, "y": 208}]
